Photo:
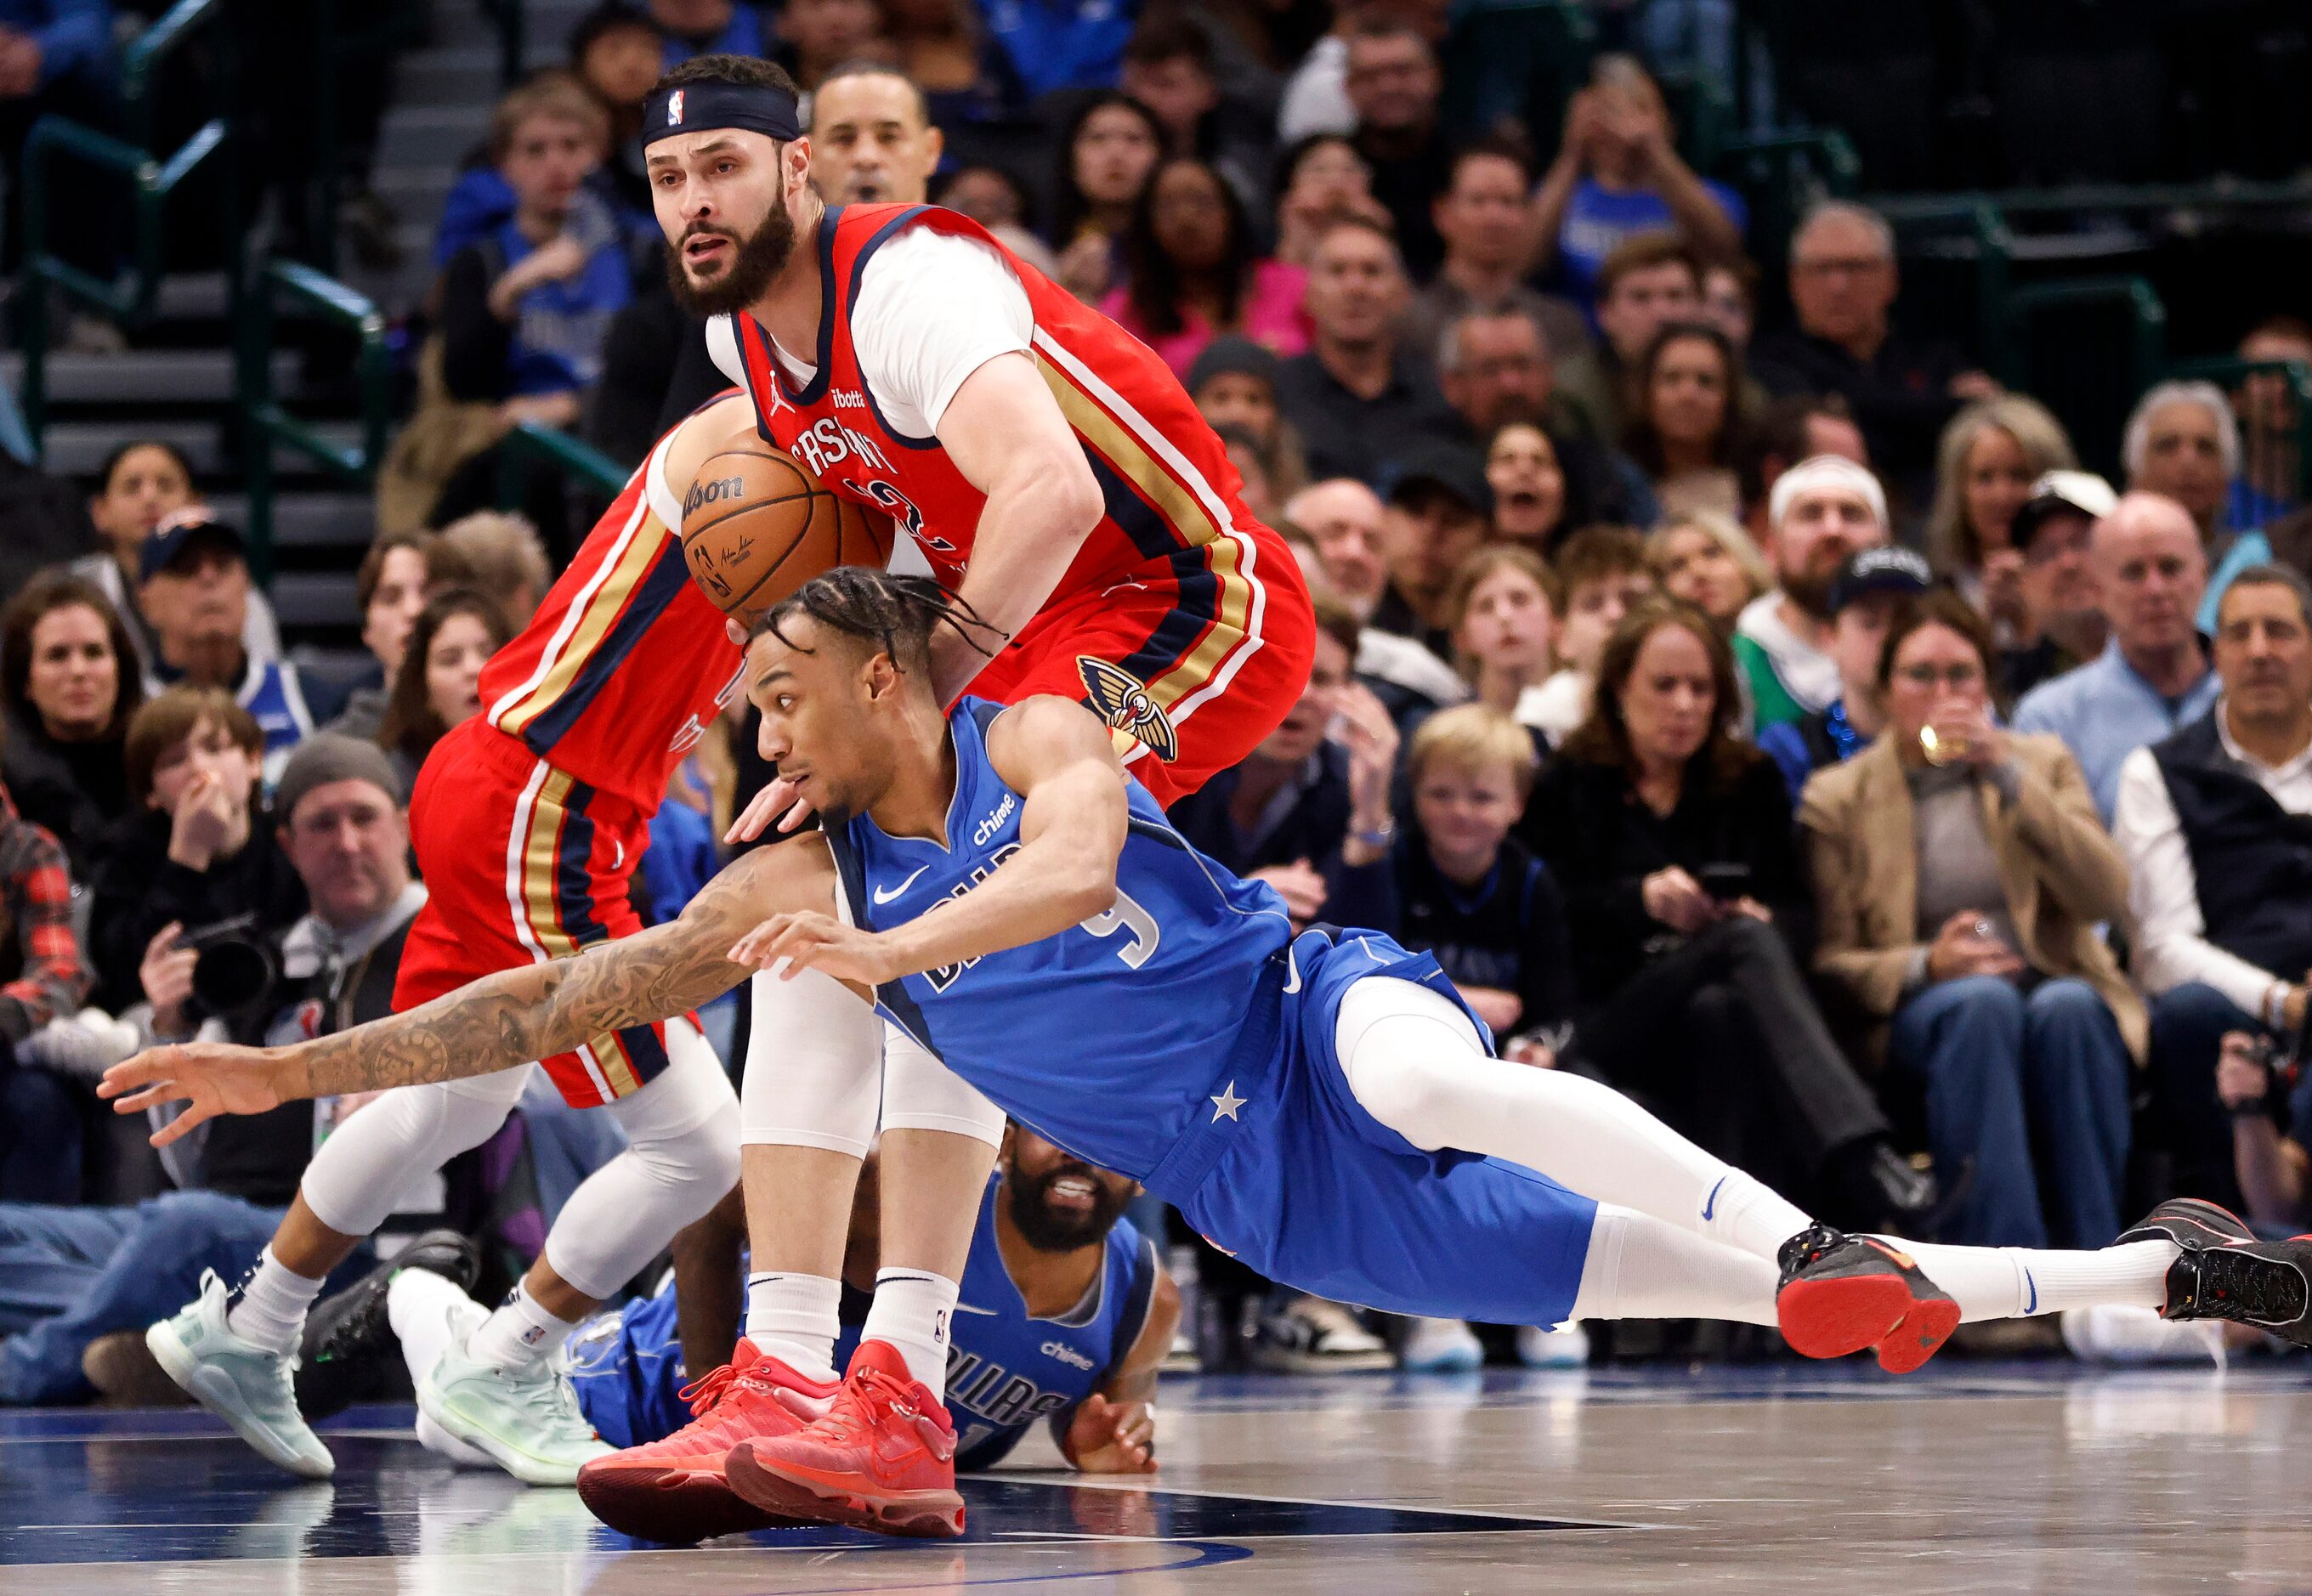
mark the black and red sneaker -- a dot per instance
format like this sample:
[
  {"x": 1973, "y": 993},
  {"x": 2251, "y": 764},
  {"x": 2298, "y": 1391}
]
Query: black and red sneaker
[
  {"x": 2223, "y": 1272},
  {"x": 1842, "y": 1294}
]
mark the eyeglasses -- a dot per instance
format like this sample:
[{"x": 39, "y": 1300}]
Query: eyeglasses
[
  {"x": 1959, "y": 677},
  {"x": 1853, "y": 266}
]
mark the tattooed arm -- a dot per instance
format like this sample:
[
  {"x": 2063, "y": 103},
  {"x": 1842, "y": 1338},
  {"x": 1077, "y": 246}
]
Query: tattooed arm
[{"x": 505, "y": 1020}]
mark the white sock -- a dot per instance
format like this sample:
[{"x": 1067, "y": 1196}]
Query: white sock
[
  {"x": 518, "y": 1334},
  {"x": 2019, "y": 1282},
  {"x": 794, "y": 1318},
  {"x": 1640, "y": 1267},
  {"x": 270, "y": 1312},
  {"x": 427, "y": 1313},
  {"x": 912, "y": 1310},
  {"x": 1415, "y": 1063}
]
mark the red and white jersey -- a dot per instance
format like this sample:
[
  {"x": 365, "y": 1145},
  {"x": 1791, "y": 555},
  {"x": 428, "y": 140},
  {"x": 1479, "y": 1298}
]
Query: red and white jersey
[
  {"x": 628, "y": 662},
  {"x": 1175, "y": 524}
]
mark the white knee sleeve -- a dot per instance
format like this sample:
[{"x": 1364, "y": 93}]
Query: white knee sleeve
[
  {"x": 359, "y": 1174},
  {"x": 814, "y": 1066},
  {"x": 922, "y": 1094},
  {"x": 1402, "y": 1046},
  {"x": 1639, "y": 1268},
  {"x": 681, "y": 1157}
]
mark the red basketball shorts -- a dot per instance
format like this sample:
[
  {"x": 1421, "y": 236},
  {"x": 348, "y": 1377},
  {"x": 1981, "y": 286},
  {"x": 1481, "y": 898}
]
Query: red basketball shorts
[
  {"x": 524, "y": 863},
  {"x": 1192, "y": 664}
]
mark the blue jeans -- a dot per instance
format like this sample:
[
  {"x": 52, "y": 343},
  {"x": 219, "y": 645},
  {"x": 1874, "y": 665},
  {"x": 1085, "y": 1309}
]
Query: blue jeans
[
  {"x": 69, "y": 1275},
  {"x": 2003, "y": 1070},
  {"x": 2186, "y": 1121},
  {"x": 41, "y": 1135}
]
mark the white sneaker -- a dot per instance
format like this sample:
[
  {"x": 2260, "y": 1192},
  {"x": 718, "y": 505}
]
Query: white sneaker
[
  {"x": 81, "y": 1045},
  {"x": 2123, "y": 1333},
  {"x": 1440, "y": 1347},
  {"x": 526, "y": 1420},
  {"x": 244, "y": 1384},
  {"x": 1312, "y": 1336},
  {"x": 1182, "y": 1358},
  {"x": 1567, "y": 1346}
]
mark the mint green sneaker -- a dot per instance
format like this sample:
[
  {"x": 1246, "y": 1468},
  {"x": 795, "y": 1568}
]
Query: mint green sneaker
[
  {"x": 526, "y": 1420},
  {"x": 244, "y": 1384}
]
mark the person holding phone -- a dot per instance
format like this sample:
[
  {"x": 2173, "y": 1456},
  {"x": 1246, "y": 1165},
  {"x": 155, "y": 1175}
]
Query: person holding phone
[
  {"x": 1960, "y": 874},
  {"x": 1671, "y": 839}
]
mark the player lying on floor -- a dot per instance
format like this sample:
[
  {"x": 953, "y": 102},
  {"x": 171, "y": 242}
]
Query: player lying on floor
[
  {"x": 1319, "y": 1105},
  {"x": 1065, "y": 1317}
]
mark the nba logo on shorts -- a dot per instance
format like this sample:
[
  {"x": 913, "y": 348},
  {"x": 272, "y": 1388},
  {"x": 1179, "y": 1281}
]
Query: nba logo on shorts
[{"x": 674, "y": 108}]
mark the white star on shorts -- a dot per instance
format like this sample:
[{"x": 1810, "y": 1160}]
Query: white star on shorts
[{"x": 1225, "y": 1105}]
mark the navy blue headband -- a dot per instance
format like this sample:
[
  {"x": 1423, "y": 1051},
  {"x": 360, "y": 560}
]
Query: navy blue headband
[{"x": 697, "y": 108}]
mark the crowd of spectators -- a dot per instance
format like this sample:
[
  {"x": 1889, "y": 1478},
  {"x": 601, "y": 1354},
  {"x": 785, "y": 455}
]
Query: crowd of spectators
[{"x": 1770, "y": 721}]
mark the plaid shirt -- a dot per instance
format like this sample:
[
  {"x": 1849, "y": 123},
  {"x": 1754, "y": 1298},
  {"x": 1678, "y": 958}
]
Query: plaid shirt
[{"x": 36, "y": 931}]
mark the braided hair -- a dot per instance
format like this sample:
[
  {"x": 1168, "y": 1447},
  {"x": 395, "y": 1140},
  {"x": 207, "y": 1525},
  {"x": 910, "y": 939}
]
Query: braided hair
[{"x": 896, "y": 613}]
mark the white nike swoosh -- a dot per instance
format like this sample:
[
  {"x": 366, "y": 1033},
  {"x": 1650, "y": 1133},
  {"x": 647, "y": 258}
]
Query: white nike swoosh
[
  {"x": 967, "y": 1308},
  {"x": 882, "y": 897}
]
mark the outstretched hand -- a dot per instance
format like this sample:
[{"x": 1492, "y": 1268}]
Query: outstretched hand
[
  {"x": 215, "y": 1078},
  {"x": 764, "y": 807},
  {"x": 1107, "y": 1437},
  {"x": 813, "y": 941}
]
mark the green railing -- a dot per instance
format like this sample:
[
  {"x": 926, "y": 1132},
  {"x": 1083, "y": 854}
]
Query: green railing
[
  {"x": 14, "y": 437},
  {"x": 530, "y": 444},
  {"x": 2084, "y": 348},
  {"x": 2295, "y": 393},
  {"x": 265, "y": 424},
  {"x": 152, "y": 179}
]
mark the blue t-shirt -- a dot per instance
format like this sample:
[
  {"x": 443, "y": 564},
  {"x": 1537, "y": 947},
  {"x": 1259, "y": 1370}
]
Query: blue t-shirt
[
  {"x": 1062, "y": 44},
  {"x": 679, "y": 860},
  {"x": 1598, "y": 219},
  {"x": 743, "y": 37},
  {"x": 558, "y": 337}
]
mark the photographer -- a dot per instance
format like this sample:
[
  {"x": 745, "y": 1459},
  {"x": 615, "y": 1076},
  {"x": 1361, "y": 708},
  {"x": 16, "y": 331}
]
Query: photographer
[
  {"x": 194, "y": 851},
  {"x": 78, "y": 1274},
  {"x": 2274, "y": 1170}
]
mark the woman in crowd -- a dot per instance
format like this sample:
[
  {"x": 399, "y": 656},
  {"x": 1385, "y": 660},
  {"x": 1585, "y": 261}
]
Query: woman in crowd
[
  {"x": 1501, "y": 611},
  {"x": 438, "y": 685},
  {"x": 1961, "y": 875},
  {"x": 139, "y": 485},
  {"x": 400, "y": 571},
  {"x": 1686, "y": 421},
  {"x": 1672, "y": 841},
  {"x": 195, "y": 848},
  {"x": 1191, "y": 273},
  {"x": 1708, "y": 561},
  {"x": 1319, "y": 179},
  {"x": 1617, "y": 173},
  {"x": 68, "y": 684},
  {"x": 615, "y": 56},
  {"x": 1107, "y": 156},
  {"x": 1529, "y": 482},
  {"x": 1991, "y": 454}
]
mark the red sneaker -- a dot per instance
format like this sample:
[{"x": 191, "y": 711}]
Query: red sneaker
[
  {"x": 674, "y": 1490},
  {"x": 883, "y": 1457}
]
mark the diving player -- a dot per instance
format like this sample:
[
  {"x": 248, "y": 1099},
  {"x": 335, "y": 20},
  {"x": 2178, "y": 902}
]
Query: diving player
[
  {"x": 527, "y": 821},
  {"x": 1050, "y": 468},
  {"x": 1319, "y": 1105}
]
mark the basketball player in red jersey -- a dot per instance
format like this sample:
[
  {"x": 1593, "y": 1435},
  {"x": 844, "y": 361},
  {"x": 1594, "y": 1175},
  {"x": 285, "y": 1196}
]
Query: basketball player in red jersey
[
  {"x": 1050, "y": 468},
  {"x": 527, "y": 821}
]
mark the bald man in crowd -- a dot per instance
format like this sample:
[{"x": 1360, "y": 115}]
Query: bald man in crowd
[{"x": 2153, "y": 677}]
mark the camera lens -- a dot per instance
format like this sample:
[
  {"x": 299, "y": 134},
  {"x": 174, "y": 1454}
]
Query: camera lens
[{"x": 230, "y": 976}]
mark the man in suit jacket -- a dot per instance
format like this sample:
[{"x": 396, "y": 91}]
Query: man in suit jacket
[{"x": 1959, "y": 903}]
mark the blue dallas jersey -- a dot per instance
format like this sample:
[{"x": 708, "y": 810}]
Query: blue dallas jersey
[
  {"x": 1186, "y": 1038},
  {"x": 1005, "y": 1369},
  {"x": 1118, "y": 1011}
]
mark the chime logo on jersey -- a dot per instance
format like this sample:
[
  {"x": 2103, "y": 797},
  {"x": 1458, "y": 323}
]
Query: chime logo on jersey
[{"x": 1120, "y": 699}]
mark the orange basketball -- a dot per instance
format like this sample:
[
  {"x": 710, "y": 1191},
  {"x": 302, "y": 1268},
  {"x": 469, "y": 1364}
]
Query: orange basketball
[{"x": 756, "y": 526}]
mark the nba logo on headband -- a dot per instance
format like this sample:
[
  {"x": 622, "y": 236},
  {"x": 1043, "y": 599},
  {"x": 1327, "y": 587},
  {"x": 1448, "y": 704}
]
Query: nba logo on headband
[{"x": 674, "y": 108}]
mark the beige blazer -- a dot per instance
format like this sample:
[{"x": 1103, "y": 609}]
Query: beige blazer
[{"x": 2062, "y": 873}]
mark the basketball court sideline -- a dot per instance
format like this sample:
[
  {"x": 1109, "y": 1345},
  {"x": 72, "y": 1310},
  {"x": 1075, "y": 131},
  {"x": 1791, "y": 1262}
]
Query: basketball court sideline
[{"x": 1766, "y": 1479}]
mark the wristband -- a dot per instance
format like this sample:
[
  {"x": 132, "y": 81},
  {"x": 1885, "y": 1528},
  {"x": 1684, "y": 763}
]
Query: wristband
[
  {"x": 1381, "y": 837},
  {"x": 2275, "y": 1006}
]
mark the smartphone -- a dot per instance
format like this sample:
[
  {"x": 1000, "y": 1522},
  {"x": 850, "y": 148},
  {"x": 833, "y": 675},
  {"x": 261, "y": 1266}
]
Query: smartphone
[{"x": 1726, "y": 883}]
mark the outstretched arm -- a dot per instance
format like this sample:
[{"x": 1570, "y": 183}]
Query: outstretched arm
[
  {"x": 1071, "y": 827},
  {"x": 507, "y": 1019}
]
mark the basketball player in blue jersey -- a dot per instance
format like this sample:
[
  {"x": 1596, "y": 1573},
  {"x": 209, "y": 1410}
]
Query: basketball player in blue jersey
[
  {"x": 1064, "y": 1318},
  {"x": 1319, "y": 1105}
]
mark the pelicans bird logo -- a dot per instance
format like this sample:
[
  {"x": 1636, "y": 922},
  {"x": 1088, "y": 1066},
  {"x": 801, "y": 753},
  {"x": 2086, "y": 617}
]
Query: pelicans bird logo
[{"x": 1118, "y": 697}]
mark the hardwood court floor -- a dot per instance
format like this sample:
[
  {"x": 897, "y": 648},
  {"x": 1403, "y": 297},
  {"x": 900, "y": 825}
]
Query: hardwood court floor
[{"x": 1780, "y": 1478}]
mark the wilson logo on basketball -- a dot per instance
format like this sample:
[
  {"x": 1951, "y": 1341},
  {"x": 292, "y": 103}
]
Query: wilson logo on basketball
[{"x": 708, "y": 493}]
